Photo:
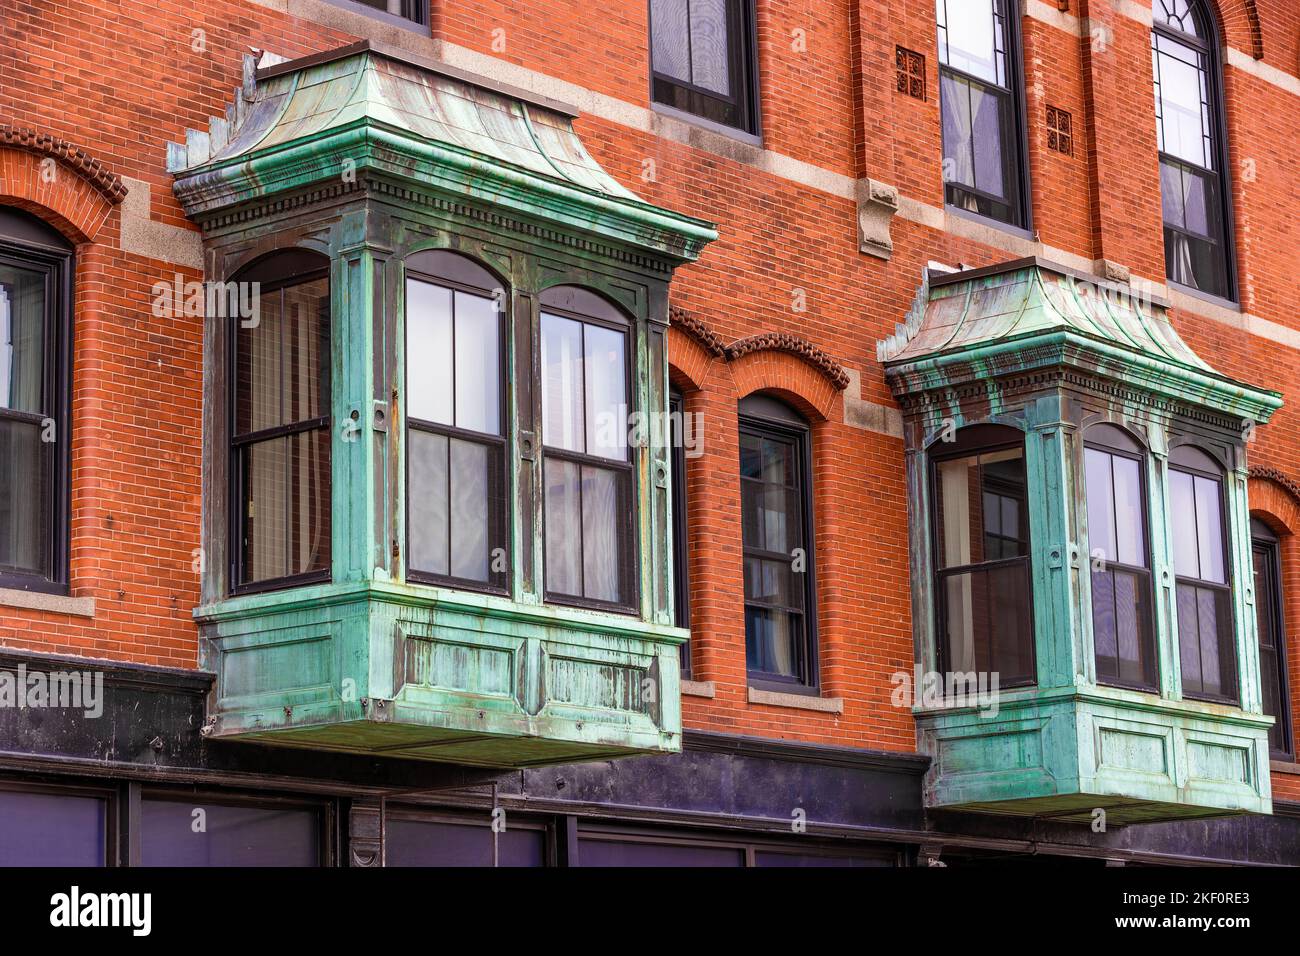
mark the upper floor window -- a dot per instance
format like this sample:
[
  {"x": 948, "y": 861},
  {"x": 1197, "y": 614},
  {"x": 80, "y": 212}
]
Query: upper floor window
[
  {"x": 776, "y": 530},
  {"x": 681, "y": 585},
  {"x": 1267, "y": 560},
  {"x": 590, "y": 511},
  {"x": 702, "y": 59},
  {"x": 1189, "y": 135},
  {"x": 280, "y": 428},
  {"x": 1123, "y": 626},
  {"x": 35, "y": 332},
  {"x": 1206, "y": 643},
  {"x": 982, "y": 106},
  {"x": 457, "y": 497},
  {"x": 981, "y": 527},
  {"x": 407, "y": 11}
]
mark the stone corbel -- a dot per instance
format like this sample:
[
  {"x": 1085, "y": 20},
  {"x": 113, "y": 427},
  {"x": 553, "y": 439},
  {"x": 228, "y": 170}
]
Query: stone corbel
[{"x": 877, "y": 205}]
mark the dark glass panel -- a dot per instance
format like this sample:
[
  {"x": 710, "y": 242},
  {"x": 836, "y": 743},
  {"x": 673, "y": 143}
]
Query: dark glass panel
[
  {"x": 780, "y": 858},
  {"x": 981, "y": 505},
  {"x": 670, "y": 48},
  {"x": 1272, "y": 661},
  {"x": 1206, "y": 651},
  {"x": 428, "y": 513},
  {"x": 43, "y": 829},
  {"x": 773, "y": 641},
  {"x": 26, "y": 495},
  {"x": 309, "y": 504},
  {"x": 23, "y": 310},
  {"x": 709, "y": 46},
  {"x": 603, "y": 509},
  {"x": 438, "y": 843},
  {"x": 563, "y": 526},
  {"x": 474, "y": 510},
  {"x": 987, "y": 622},
  {"x": 610, "y": 852},
  {"x": 181, "y": 833}
]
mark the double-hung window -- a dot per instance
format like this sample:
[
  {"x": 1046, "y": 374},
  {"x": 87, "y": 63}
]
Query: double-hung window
[
  {"x": 1267, "y": 562},
  {"x": 702, "y": 59},
  {"x": 981, "y": 523},
  {"x": 1189, "y": 134},
  {"x": 280, "y": 426},
  {"x": 776, "y": 529},
  {"x": 35, "y": 326},
  {"x": 457, "y": 498},
  {"x": 590, "y": 506},
  {"x": 1123, "y": 628},
  {"x": 982, "y": 105},
  {"x": 1206, "y": 640}
]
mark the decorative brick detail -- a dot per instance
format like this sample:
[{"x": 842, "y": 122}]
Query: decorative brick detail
[
  {"x": 909, "y": 67},
  {"x": 66, "y": 201},
  {"x": 1285, "y": 481},
  {"x": 801, "y": 348},
  {"x": 107, "y": 184},
  {"x": 1060, "y": 131},
  {"x": 679, "y": 317}
]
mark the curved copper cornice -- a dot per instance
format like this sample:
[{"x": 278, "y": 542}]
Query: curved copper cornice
[
  {"x": 1289, "y": 484},
  {"x": 107, "y": 184},
  {"x": 765, "y": 341}
]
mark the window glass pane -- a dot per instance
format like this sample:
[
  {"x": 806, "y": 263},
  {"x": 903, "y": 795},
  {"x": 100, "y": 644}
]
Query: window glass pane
[
  {"x": 563, "y": 527},
  {"x": 709, "y": 68},
  {"x": 606, "y": 392},
  {"x": 22, "y": 339},
  {"x": 427, "y": 503},
  {"x": 610, "y": 852},
  {"x": 266, "y": 510},
  {"x": 601, "y": 510},
  {"x": 309, "y": 504},
  {"x": 987, "y": 137},
  {"x": 1132, "y": 620},
  {"x": 1171, "y": 195},
  {"x": 478, "y": 364},
  {"x": 259, "y": 361},
  {"x": 773, "y": 641},
  {"x": 43, "y": 829},
  {"x": 780, "y": 858},
  {"x": 975, "y": 498},
  {"x": 1101, "y": 504},
  {"x": 669, "y": 39},
  {"x": 970, "y": 37},
  {"x": 1272, "y": 681},
  {"x": 25, "y": 499},
  {"x": 1189, "y": 640},
  {"x": 473, "y": 467},
  {"x": 1205, "y": 639},
  {"x": 306, "y": 351},
  {"x": 562, "y": 383},
  {"x": 1182, "y": 507},
  {"x": 1181, "y": 114},
  {"x": 180, "y": 833},
  {"x": 987, "y": 620},
  {"x": 437, "y": 843},
  {"x": 1130, "y": 531},
  {"x": 1104, "y": 628},
  {"x": 429, "y": 352},
  {"x": 958, "y": 153},
  {"x": 1209, "y": 528}
]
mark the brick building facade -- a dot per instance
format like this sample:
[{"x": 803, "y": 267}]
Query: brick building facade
[{"x": 815, "y": 136}]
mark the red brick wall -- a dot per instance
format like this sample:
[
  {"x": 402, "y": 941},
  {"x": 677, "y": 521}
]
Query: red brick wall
[{"x": 121, "y": 80}]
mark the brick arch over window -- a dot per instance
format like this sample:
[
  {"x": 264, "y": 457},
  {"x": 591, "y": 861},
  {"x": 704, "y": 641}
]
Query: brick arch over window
[
  {"x": 1275, "y": 498},
  {"x": 1239, "y": 21},
  {"x": 77, "y": 200}
]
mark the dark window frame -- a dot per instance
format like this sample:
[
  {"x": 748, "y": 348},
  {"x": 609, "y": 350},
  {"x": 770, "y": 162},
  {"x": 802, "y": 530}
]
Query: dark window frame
[
  {"x": 287, "y": 269},
  {"x": 680, "y": 549},
  {"x": 1270, "y": 547},
  {"x": 1017, "y": 140},
  {"x": 415, "y": 13},
  {"x": 742, "y": 71},
  {"x": 502, "y": 441},
  {"x": 1209, "y": 49},
  {"x": 32, "y": 250},
  {"x": 1098, "y": 443},
  {"x": 808, "y": 681},
  {"x": 615, "y": 320},
  {"x": 967, "y": 444},
  {"x": 1225, "y": 535}
]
